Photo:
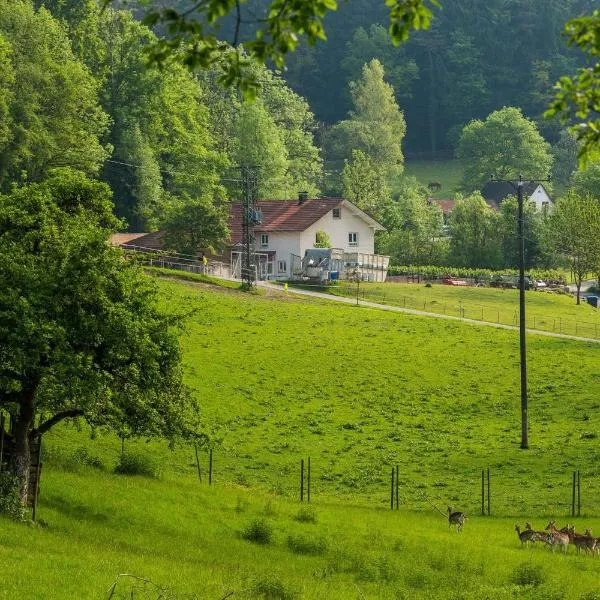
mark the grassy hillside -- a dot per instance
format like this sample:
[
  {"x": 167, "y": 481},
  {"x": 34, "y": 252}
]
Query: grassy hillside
[
  {"x": 188, "y": 539},
  {"x": 447, "y": 172},
  {"x": 544, "y": 310},
  {"x": 358, "y": 390}
]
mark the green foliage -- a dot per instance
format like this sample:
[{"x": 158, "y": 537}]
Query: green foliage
[
  {"x": 258, "y": 531},
  {"x": 365, "y": 184},
  {"x": 272, "y": 588},
  {"x": 306, "y": 515},
  {"x": 586, "y": 181},
  {"x": 72, "y": 460},
  {"x": 565, "y": 153},
  {"x": 137, "y": 463},
  {"x": 376, "y": 125},
  {"x": 303, "y": 544},
  {"x": 573, "y": 231},
  {"x": 192, "y": 39},
  {"x": 528, "y": 574},
  {"x": 505, "y": 146},
  {"x": 474, "y": 237},
  {"x": 49, "y": 111},
  {"x": 195, "y": 225},
  {"x": 578, "y": 97},
  {"x": 10, "y": 503},
  {"x": 322, "y": 240}
]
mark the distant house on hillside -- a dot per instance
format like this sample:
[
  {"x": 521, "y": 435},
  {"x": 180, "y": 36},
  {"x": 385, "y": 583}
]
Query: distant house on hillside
[
  {"x": 446, "y": 206},
  {"x": 288, "y": 229},
  {"x": 495, "y": 192}
]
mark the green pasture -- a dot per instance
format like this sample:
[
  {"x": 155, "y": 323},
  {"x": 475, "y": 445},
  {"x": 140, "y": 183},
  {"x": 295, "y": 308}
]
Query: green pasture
[
  {"x": 189, "y": 539},
  {"x": 447, "y": 172},
  {"x": 359, "y": 390},
  {"x": 545, "y": 310}
]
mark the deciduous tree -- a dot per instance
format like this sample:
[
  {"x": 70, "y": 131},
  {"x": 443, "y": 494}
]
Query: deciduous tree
[
  {"x": 505, "y": 145},
  {"x": 81, "y": 331}
]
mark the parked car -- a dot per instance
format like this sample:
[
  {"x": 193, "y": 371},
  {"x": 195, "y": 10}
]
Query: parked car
[
  {"x": 448, "y": 280},
  {"x": 510, "y": 282}
]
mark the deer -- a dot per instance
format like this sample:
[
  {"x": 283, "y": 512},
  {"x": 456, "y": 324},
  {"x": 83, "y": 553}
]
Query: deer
[
  {"x": 597, "y": 549},
  {"x": 526, "y": 536},
  {"x": 536, "y": 536},
  {"x": 557, "y": 537},
  {"x": 585, "y": 541},
  {"x": 434, "y": 185},
  {"x": 456, "y": 518}
]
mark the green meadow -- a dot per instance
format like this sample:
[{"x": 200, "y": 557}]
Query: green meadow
[
  {"x": 281, "y": 378},
  {"x": 547, "y": 311},
  {"x": 448, "y": 173}
]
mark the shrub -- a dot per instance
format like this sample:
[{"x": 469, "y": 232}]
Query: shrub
[
  {"x": 528, "y": 574},
  {"x": 10, "y": 504},
  {"x": 306, "y": 515},
  {"x": 301, "y": 544},
  {"x": 82, "y": 456},
  {"x": 272, "y": 589},
  {"x": 258, "y": 531},
  {"x": 132, "y": 463}
]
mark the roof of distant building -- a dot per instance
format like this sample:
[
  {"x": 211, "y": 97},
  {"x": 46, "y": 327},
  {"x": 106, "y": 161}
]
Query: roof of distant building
[{"x": 499, "y": 190}]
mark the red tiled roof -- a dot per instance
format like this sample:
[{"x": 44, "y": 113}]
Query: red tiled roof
[
  {"x": 447, "y": 206},
  {"x": 116, "y": 239},
  {"x": 282, "y": 215}
]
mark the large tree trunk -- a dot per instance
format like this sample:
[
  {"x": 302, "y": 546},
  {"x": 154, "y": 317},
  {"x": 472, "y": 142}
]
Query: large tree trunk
[{"x": 22, "y": 454}]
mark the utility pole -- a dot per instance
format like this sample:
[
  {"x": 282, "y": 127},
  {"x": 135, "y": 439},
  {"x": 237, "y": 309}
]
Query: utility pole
[
  {"x": 522, "y": 324},
  {"x": 250, "y": 217}
]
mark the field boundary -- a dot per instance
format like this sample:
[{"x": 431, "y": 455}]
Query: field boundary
[{"x": 423, "y": 313}]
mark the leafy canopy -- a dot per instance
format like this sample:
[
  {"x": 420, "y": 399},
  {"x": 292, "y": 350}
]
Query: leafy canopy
[
  {"x": 505, "y": 145},
  {"x": 81, "y": 330},
  {"x": 276, "y": 30}
]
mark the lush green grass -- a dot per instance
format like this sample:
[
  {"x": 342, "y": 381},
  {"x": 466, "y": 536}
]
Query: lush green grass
[
  {"x": 358, "y": 390},
  {"x": 447, "y": 172},
  {"x": 188, "y": 538},
  {"x": 544, "y": 310}
]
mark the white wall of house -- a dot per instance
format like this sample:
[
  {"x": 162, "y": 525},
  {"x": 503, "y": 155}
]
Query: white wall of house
[
  {"x": 284, "y": 244},
  {"x": 540, "y": 198},
  {"x": 339, "y": 229}
]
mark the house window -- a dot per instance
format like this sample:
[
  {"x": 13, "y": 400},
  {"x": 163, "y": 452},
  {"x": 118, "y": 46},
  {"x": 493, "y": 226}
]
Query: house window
[
  {"x": 282, "y": 266},
  {"x": 353, "y": 239},
  {"x": 264, "y": 239},
  {"x": 337, "y": 213}
]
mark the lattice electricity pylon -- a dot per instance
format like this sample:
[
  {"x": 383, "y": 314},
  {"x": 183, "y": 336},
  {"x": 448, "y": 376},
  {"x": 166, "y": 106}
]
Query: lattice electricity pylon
[{"x": 251, "y": 216}]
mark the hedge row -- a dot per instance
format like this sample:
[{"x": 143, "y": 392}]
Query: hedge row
[{"x": 436, "y": 272}]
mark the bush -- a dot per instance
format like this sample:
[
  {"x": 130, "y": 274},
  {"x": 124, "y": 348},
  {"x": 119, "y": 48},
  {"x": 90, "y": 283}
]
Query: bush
[
  {"x": 306, "y": 515},
  {"x": 71, "y": 461},
  {"x": 300, "y": 544},
  {"x": 10, "y": 504},
  {"x": 82, "y": 456},
  {"x": 272, "y": 589},
  {"x": 528, "y": 574},
  {"x": 258, "y": 531},
  {"x": 132, "y": 463}
]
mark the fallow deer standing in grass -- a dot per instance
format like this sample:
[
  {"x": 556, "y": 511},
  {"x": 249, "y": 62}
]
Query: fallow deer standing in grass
[
  {"x": 557, "y": 537},
  {"x": 587, "y": 542},
  {"x": 597, "y": 549},
  {"x": 537, "y": 536},
  {"x": 456, "y": 518},
  {"x": 526, "y": 536}
]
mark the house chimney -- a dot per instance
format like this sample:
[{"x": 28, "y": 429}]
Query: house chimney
[{"x": 302, "y": 197}]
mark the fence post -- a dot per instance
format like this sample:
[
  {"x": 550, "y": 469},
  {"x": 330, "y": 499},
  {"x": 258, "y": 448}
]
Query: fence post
[
  {"x": 482, "y": 493},
  {"x": 210, "y": 466},
  {"x": 308, "y": 482},
  {"x": 392, "y": 491},
  {"x": 488, "y": 492},
  {"x": 578, "y": 494},
  {"x": 573, "y": 496},
  {"x": 498, "y": 316},
  {"x": 198, "y": 463},
  {"x": 397, "y": 488},
  {"x": 301, "y": 480}
]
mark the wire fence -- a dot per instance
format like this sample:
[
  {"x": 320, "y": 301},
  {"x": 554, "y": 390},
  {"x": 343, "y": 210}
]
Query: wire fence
[{"x": 465, "y": 310}]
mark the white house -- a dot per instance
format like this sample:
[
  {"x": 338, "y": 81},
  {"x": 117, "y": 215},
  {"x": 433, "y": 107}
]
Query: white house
[
  {"x": 494, "y": 192},
  {"x": 289, "y": 228}
]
